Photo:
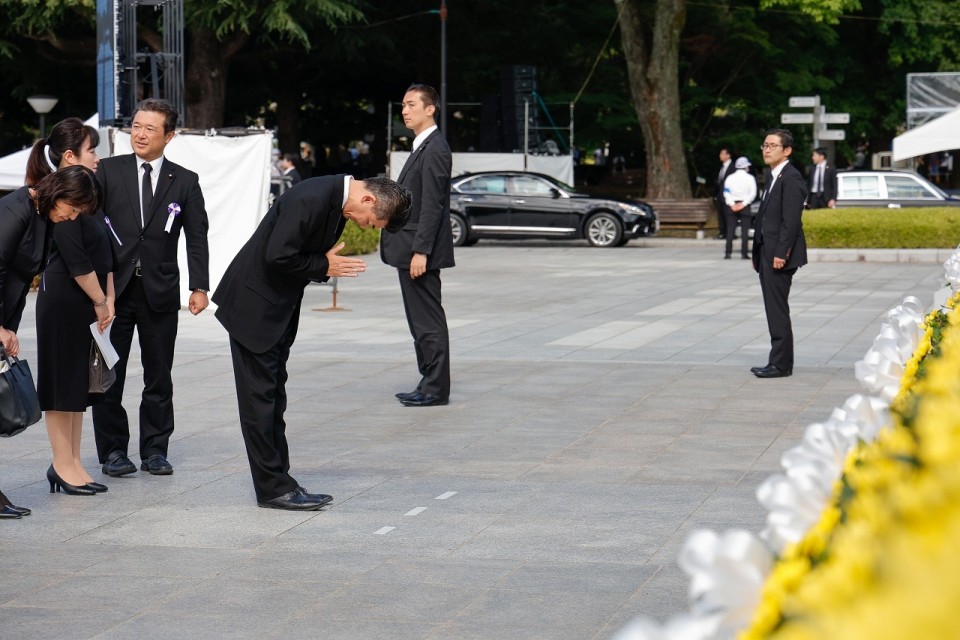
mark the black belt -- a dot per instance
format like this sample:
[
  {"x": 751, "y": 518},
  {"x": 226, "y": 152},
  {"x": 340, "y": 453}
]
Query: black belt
[{"x": 137, "y": 272}]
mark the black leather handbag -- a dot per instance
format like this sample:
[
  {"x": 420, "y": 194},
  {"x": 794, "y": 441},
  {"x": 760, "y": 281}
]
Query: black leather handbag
[
  {"x": 101, "y": 376},
  {"x": 19, "y": 404}
]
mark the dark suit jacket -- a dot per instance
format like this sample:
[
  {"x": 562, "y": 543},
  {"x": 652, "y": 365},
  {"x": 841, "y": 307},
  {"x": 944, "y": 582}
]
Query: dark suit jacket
[
  {"x": 294, "y": 176},
  {"x": 721, "y": 203},
  {"x": 778, "y": 224},
  {"x": 427, "y": 175},
  {"x": 155, "y": 248},
  {"x": 24, "y": 237},
  {"x": 262, "y": 287}
]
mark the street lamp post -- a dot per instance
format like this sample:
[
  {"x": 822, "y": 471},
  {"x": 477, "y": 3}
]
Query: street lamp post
[{"x": 42, "y": 105}]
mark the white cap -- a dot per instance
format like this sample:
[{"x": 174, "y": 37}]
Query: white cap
[{"x": 741, "y": 163}]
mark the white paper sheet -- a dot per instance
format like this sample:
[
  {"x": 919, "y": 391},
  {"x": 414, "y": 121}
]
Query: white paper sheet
[{"x": 110, "y": 355}]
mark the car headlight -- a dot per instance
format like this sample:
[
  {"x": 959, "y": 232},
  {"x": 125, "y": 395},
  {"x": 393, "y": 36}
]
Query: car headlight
[{"x": 635, "y": 210}]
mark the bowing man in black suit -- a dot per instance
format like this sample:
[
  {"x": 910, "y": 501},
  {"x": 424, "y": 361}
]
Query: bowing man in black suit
[
  {"x": 149, "y": 200},
  {"x": 779, "y": 247},
  {"x": 424, "y": 246},
  {"x": 259, "y": 304}
]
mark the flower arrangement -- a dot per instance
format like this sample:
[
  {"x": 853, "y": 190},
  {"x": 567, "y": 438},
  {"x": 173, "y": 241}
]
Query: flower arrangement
[{"x": 861, "y": 526}]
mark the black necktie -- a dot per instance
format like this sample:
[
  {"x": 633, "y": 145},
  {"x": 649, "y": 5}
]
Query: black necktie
[{"x": 146, "y": 193}]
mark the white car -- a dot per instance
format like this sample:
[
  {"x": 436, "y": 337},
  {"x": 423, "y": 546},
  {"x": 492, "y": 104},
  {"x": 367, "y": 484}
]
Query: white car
[{"x": 890, "y": 189}]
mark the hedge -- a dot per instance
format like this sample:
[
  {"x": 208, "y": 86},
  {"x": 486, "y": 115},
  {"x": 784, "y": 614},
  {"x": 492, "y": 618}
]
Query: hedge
[
  {"x": 906, "y": 228},
  {"x": 359, "y": 241}
]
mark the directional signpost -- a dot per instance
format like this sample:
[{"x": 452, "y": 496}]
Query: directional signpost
[{"x": 819, "y": 118}]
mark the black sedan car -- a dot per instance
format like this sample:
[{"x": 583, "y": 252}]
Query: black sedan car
[{"x": 519, "y": 204}]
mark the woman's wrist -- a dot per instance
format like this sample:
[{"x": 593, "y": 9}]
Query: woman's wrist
[{"x": 102, "y": 303}]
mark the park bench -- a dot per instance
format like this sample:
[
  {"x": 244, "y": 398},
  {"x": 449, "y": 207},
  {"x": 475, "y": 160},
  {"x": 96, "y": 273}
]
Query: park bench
[{"x": 685, "y": 214}]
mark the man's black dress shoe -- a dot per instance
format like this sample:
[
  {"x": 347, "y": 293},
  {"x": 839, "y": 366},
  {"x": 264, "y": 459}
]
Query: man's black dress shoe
[
  {"x": 6, "y": 504},
  {"x": 21, "y": 510},
  {"x": 318, "y": 497},
  {"x": 296, "y": 500},
  {"x": 755, "y": 369},
  {"x": 118, "y": 464},
  {"x": 771, "y": 371},
  {"x": 406, "y": 395},
  {"x": 156, "y": 465},
  {"x": 9, "y": 513},
  {"x": 423, "y": 400}
]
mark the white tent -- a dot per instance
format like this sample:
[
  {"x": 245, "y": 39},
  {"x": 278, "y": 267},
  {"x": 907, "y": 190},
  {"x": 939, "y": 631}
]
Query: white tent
[
  {"x": 942, "y": 134},
  {"x": 13, "y": 170}
]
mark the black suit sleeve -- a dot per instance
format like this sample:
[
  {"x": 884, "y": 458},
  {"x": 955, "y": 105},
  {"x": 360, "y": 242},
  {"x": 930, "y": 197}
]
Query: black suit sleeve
[
  {"x": 793, "y": 196},
  {"x": 300, "y": 216},
  {"x": 435, "y": 195},
  {"x": 12, "y": 229},
  {"x": 195, "y": 227}
]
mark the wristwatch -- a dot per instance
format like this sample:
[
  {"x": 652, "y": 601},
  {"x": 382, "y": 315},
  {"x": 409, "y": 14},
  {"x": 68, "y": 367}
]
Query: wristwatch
[{"x": 200, "y": 291}]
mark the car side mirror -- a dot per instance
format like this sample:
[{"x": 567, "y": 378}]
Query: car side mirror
[{"x": 554, "y": 193}]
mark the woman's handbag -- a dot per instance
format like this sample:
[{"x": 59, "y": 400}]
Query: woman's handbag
[
  {"x": 101, "y": 376},
  {"x": 19, "y": 404}
]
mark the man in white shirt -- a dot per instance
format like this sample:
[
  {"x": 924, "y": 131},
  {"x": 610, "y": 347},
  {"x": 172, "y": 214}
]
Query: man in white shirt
[{"x": 739, "y": 191}]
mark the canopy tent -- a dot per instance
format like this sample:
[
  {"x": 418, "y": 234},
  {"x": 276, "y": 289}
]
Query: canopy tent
[{"x": 942, "y": 134}]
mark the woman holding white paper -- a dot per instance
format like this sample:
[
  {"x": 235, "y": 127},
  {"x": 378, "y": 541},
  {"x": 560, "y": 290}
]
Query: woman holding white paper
[{"x": 76, "y": 290}]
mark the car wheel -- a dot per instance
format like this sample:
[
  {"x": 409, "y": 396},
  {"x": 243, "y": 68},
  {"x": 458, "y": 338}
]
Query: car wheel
[
  {"x": 603, "y": 230},
  {"x": 458, "y": 227},
  {"x": 623, "y": 241}
]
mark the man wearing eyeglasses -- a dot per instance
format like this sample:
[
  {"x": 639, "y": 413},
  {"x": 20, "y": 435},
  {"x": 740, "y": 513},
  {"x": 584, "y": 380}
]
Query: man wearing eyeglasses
[{"x": 779, "y": 247}]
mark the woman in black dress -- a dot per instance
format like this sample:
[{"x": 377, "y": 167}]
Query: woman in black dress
[
  {"x": 26, "y": 216},
  {"x": 76, "y": 289}
]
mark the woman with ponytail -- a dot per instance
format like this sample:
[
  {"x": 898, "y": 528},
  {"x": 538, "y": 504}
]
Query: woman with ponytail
[{"x": 76, "y": 289}]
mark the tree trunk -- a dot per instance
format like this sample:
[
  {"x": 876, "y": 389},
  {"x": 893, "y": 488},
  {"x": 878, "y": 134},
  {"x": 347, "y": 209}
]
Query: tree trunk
[
  {"x": 653, "y": 72},
  {"x": 206, "y": 77}
]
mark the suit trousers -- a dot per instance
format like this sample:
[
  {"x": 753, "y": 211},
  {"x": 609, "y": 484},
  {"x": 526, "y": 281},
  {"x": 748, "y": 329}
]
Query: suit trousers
[
  {"x": 775, "y": 286},
  {"x": 428, "y": 326},
  {"x": 744, "y": 220},
  {"x": 817, "y": 200},
  {"x": 261, "y": 380},
  {"x": 157, "y": 331}
]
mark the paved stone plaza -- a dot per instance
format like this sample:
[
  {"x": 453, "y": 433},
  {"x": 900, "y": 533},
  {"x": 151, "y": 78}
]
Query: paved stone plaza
[{"x": 602, "y": 409}]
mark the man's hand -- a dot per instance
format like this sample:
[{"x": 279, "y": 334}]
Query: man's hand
[
  {"x": 778, "y": 263},
  {"x": 418, "y": 265},
  {"x": 737, "y": 207},
  {"x": 832, "y": 204},
  {"x": 198, "y": 302},
  {"x": 343, "y": 266}
]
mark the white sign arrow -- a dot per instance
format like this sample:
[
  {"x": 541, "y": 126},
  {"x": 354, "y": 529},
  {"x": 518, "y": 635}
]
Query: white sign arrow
[
  {"x": 832, "y": 134},
  {"x": 796, "y": 118},
  {"x": 835, "y": 118},
  {"x": 803, "y": 101}
]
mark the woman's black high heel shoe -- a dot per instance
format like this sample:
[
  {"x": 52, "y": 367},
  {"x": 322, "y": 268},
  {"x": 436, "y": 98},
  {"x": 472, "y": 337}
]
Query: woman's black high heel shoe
[
  {"x": 96, "y": 486},
  {"x": 56, "y": 482}
]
